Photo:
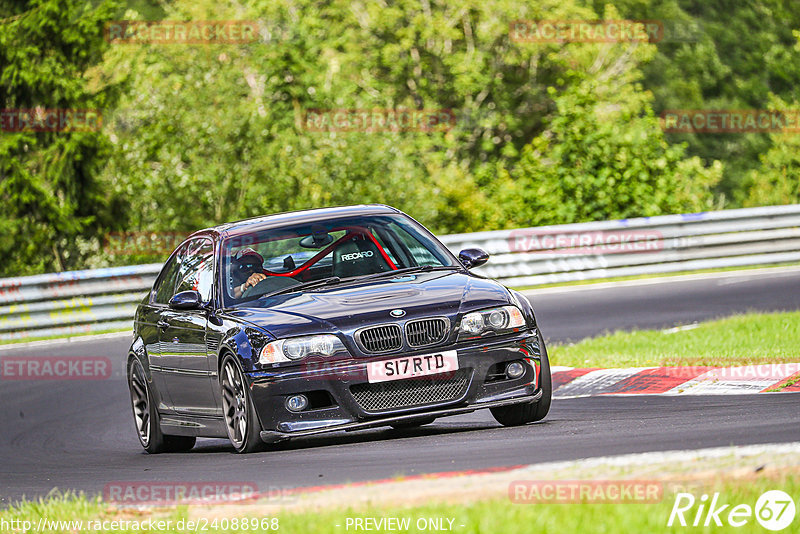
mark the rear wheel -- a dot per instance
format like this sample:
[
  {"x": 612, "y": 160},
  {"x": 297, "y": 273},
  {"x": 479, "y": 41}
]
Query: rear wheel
[
  {"x": 520, "y": 414},
  {"x": 240, "y": 416},
  {"x": 146, "y": 418}
]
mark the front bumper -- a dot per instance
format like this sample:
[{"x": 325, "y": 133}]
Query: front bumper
[
  {"x": 271, "y": 436},
  {"x": 478, "y": 361}
]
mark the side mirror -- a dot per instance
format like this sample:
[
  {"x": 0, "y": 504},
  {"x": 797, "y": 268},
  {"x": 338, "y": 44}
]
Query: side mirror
[
  {"x": 473, "y": 257},
  {"x": 186, "y": 300}
]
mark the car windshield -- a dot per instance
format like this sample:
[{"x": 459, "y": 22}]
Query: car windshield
[{"x": 263, "y": 262}]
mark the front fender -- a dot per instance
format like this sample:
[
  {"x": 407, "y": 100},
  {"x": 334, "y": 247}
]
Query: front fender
[
  {"x": 245, "y": 343},
  {"x": 525, "y": 305},
  {"x": 138, "y": 351}
]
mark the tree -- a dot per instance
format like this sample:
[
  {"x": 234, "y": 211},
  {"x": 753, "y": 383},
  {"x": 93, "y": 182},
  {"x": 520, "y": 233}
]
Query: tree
[
  {"x": 719, "y": 54},
  {"x": 50, "y": 204},
  {"x": 212, "y": 133},
  {"x": 777, "y": 180},
  {"x": 603, "y": 156}
]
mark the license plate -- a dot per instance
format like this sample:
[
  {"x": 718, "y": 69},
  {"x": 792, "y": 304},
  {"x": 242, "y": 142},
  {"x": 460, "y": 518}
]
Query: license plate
[{"x": 412, "y": 366}]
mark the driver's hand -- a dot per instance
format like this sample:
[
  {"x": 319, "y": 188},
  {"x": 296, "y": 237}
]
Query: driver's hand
[{"x": 254, "y": 279}]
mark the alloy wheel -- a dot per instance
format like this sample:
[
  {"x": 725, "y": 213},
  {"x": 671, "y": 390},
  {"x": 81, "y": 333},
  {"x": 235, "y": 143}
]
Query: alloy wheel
[
  {"x": 234, "y": 401},
  {"x": 140, "y": 399}
]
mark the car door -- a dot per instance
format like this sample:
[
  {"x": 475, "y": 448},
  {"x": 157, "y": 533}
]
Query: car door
[
  {"x": 152, "y": 322},
  {"x": 183, "y": 335}
]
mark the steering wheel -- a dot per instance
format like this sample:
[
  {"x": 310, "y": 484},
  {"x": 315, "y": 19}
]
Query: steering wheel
[{"x": 268, "y": 285}]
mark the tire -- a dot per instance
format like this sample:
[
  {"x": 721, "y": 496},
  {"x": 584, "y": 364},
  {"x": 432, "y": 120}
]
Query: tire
[
  {"x": 520, "y": 414},
  {"x": 146, "y": 419},
  {"x": 244, "y": 429},
  {"x": 413, "y": 424}
]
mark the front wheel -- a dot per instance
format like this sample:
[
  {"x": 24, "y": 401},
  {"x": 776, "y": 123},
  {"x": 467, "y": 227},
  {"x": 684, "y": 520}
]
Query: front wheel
[
  {"x": 146, "y": 418},
  {"x": 520, "y": 414},
  {"x": 240, "y": 416}
]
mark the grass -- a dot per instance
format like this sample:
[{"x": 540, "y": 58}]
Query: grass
[
  {"x": 496, "y": 516},
  {"x": 657, "y": 275},
  {"x": 739, "y": 340}
]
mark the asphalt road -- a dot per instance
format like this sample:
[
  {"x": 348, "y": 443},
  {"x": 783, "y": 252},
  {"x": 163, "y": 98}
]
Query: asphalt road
[{"x": 78, "y": 435}]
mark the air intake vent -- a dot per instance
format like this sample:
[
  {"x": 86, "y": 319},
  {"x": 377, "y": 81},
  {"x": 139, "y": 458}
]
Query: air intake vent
[
  {"x": 411, "y": 392},
  {"x": 379, "y": 339},
  {"x": 426, "y": 332}
]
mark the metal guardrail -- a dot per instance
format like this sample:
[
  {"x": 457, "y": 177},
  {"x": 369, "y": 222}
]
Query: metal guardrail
[
  {"x": 72, "y": 302},
  {"x": 105, "y": 299},
  {"x": 670, "y": 243}
]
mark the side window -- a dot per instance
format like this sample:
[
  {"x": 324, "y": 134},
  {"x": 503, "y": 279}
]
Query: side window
[
  {"x": 166, "y": 284},
  {"x": 197, "y": 268}
]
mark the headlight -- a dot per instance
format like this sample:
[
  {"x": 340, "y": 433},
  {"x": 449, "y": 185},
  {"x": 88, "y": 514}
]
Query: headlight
[
  {"x": 297, "y": 348},
  {"x": 497, "y": 320}
]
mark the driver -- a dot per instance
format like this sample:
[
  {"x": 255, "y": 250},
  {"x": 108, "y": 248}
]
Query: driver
[{"x": 248, "y": 270}]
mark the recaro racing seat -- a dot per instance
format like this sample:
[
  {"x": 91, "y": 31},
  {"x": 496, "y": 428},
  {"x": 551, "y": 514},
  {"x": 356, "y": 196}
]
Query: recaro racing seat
[{"x": 356, "y": 257}]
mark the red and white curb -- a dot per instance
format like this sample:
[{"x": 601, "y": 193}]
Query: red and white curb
[{"x": 582, "y": 382}]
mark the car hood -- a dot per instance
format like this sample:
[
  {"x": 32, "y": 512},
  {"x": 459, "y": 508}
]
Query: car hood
[{"x": 349, "y": 307}]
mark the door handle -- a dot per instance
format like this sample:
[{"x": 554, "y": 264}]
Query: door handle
[{"x": 163, "y": 325}]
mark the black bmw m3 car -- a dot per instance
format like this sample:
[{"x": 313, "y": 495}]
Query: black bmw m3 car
[{"x": 317, "y": 321}]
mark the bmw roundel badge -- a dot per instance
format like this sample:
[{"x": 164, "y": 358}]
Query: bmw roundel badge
[{"x": 397, "y": 313}]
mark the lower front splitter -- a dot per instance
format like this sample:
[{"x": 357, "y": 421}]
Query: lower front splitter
[{"x": 273, "y": 436}]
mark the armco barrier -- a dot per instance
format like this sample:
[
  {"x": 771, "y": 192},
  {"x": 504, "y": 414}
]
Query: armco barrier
[
  {"x": 729, "y": 238},
  {"x": 72, "y": 302},
  {"x": 104, "y": 299}
]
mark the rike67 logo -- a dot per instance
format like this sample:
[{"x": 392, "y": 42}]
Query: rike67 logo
[{"x": 774, "y": 510}]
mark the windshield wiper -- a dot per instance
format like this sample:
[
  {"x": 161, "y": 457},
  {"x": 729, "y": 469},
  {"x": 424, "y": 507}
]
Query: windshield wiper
[
  {"x": 305, "y": 285},
  {"x": 417, "y": 268}
]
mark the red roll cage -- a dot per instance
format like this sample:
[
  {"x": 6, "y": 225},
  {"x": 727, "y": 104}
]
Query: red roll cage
[{"x": 351, "y": 233}]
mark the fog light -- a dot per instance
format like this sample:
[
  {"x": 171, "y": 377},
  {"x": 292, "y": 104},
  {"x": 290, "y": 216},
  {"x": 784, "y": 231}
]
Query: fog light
[
  {"x": 297, "y": 403},
  {"x": 515, "y": 370}
]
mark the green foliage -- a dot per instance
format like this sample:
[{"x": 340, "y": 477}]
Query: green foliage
[
  {"x": 603, "y": 157},
  {"x": 49, "y": 195},
  {"x": 722, "y": 55},
  {"x": 196, "y": 135},
  {"x": 221, "y": 127},
  {"x": 777, "y": 180},
  {"x": 248, "y": 152}
]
